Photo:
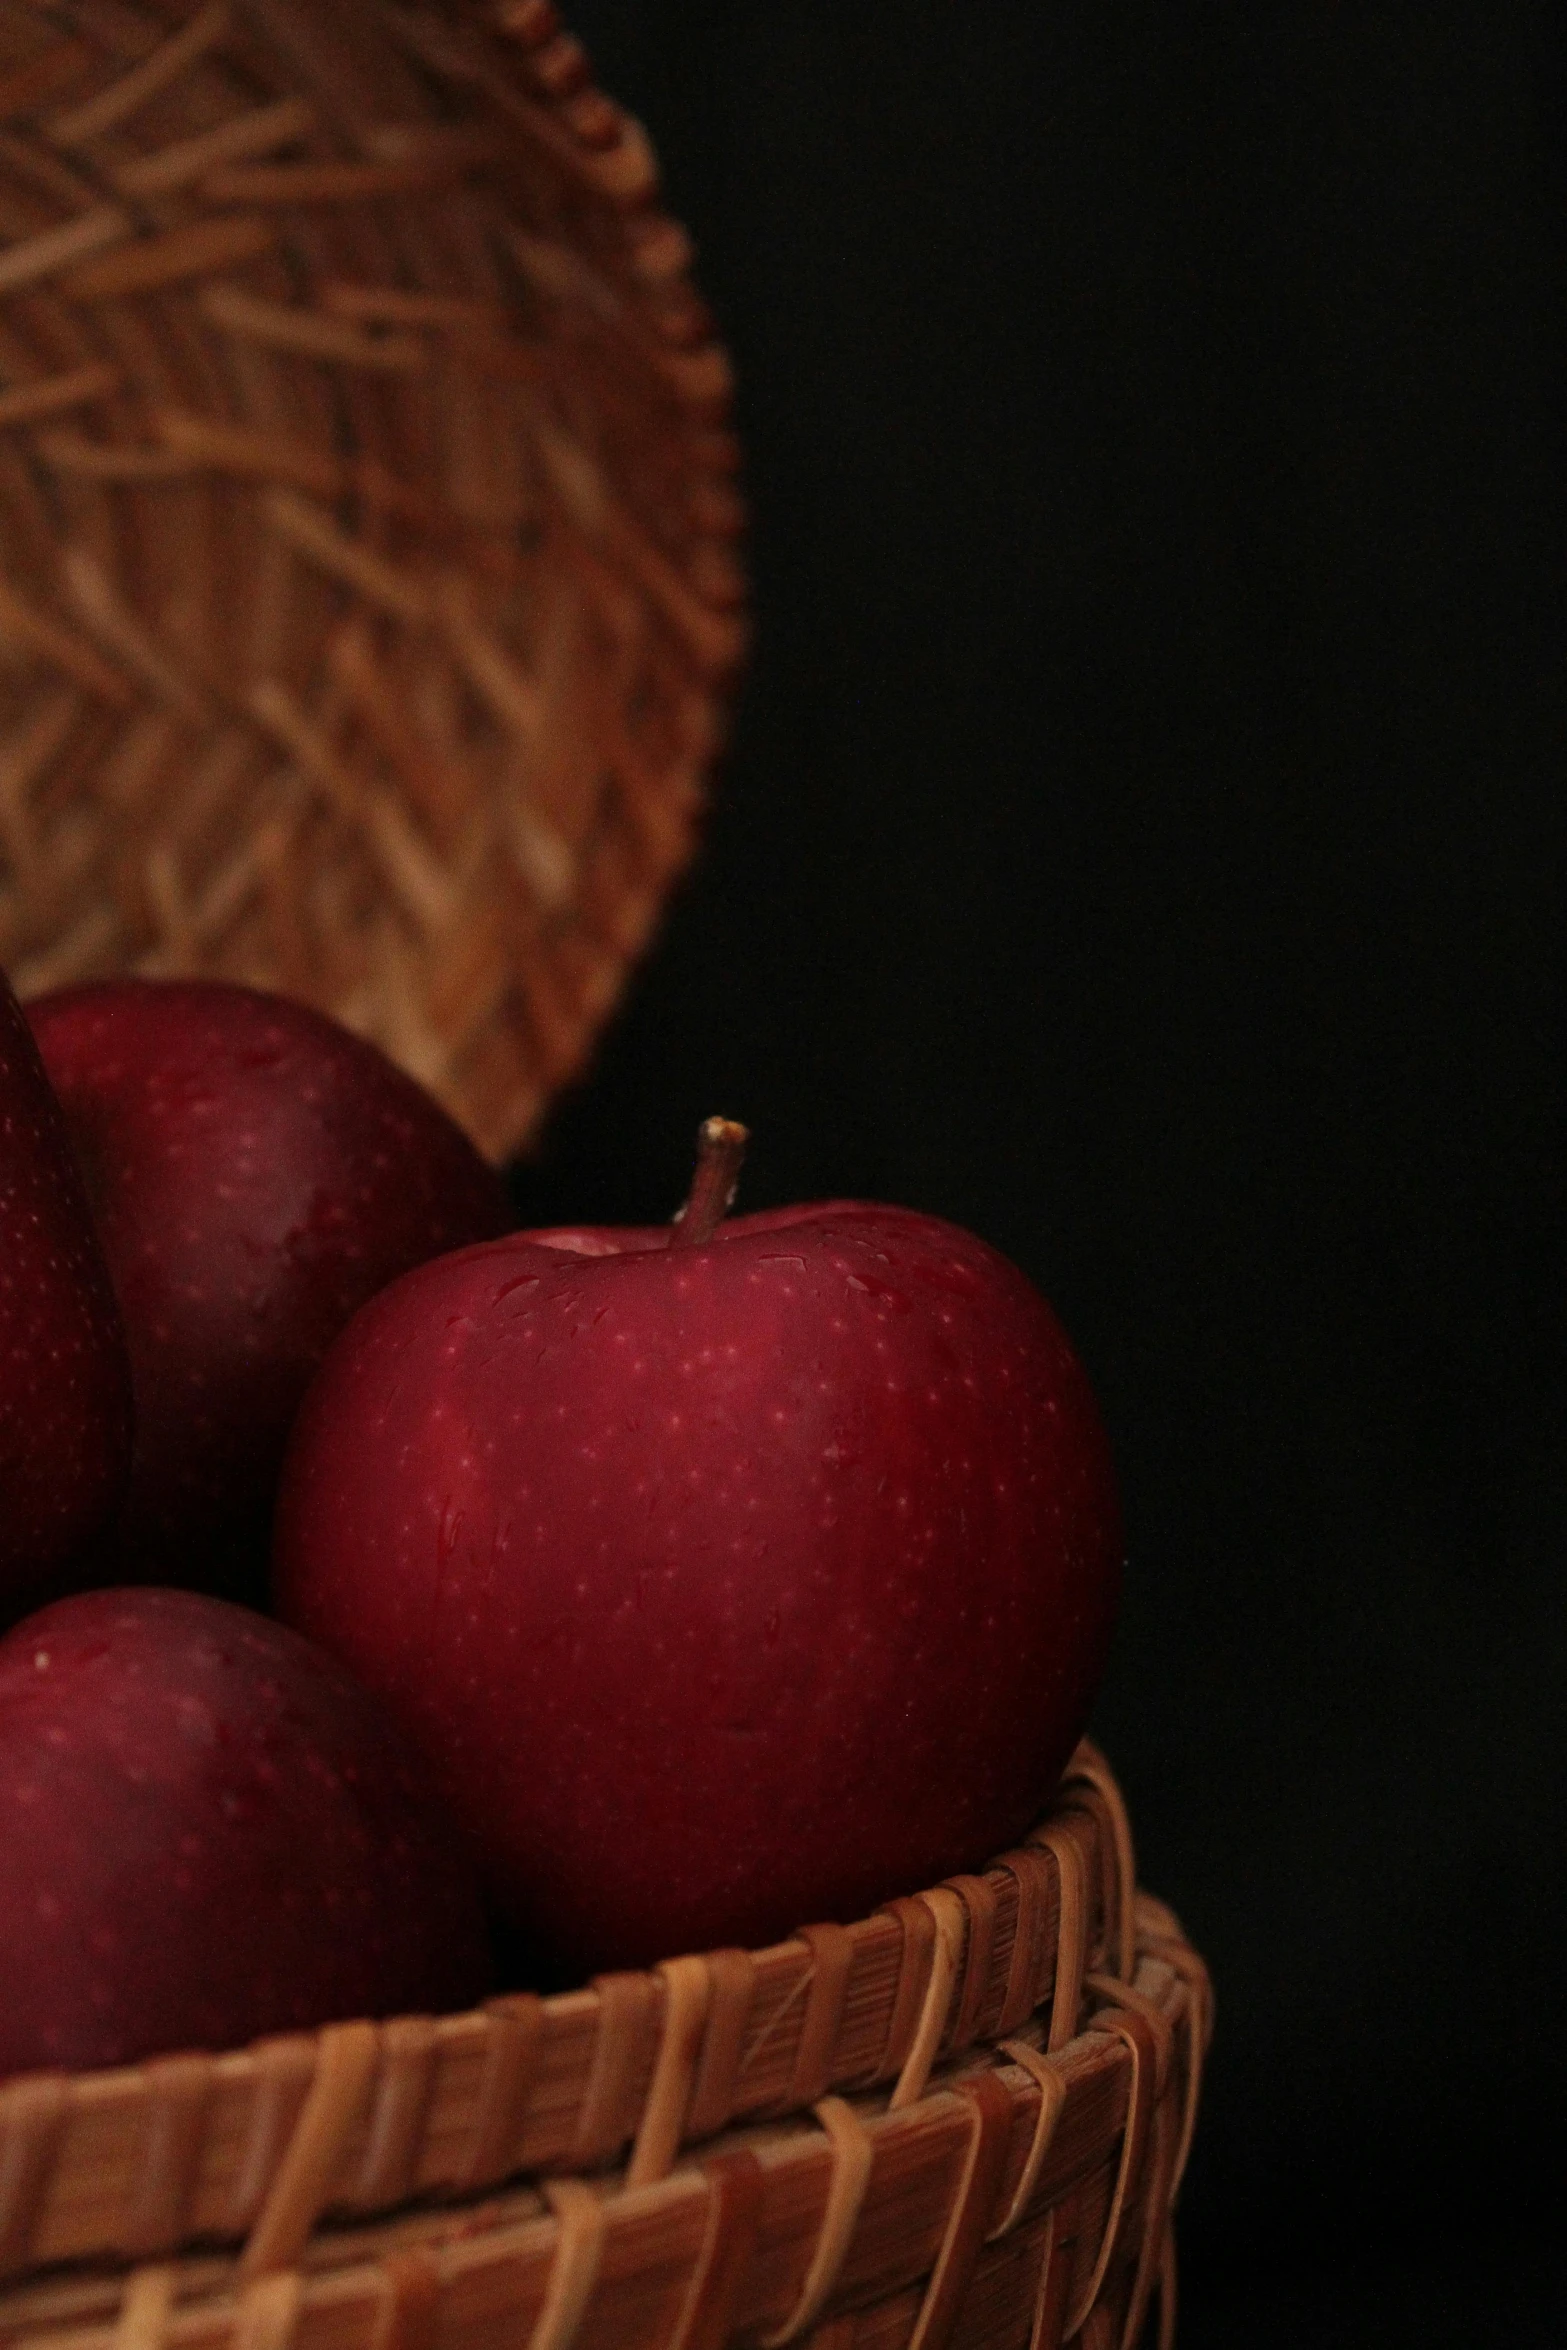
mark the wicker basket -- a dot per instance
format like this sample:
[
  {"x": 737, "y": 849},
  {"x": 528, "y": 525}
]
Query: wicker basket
[
  {"x": 368, "y": 600},
  {"x": 368, "y": 586},
  {"x": 961, "y": 2121}
]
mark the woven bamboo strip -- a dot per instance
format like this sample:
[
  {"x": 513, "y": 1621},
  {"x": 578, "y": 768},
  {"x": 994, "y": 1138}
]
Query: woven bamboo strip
[
  {"x": 334, "y": 183},
  {"x": 75, "y": 388},
  {"x": 290, "y": 327},
  {"x": 244, "y": 136},
  {"x": 132, "y": 91},
  {"x": 40, "y": 633},
  {"x": 53, "y": 250},
  {"x": 919, "y": 2212},
  {"x": 183, "y": 253},
  {"x": 111, "y": 460}
]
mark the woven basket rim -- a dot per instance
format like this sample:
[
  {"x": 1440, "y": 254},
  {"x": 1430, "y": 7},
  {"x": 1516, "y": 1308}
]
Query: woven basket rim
[
  {"x": 987, "y": 2089},
  {"x": 633, "y": 2066},
  {"x": 1074, "y": 2156}
]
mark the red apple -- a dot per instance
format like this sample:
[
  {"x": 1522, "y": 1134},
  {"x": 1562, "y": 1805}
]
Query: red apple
[
  {"x": 256, "y": 1173},
  {"x": 727, "y": 1584},
  {"x": 65, "y": 1389},
  {"x": 209, "y": 1832}
]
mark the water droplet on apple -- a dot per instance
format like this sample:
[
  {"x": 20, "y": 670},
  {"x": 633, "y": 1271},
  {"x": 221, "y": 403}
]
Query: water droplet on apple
[
  {"x": 895, "y": 1300},
  {"x": 523, "y": 1281}
]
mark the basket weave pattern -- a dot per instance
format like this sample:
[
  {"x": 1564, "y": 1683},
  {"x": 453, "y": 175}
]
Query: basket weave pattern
[
  {"x": 962, "y": 2120},
  {"x": 368, "y": 583}
]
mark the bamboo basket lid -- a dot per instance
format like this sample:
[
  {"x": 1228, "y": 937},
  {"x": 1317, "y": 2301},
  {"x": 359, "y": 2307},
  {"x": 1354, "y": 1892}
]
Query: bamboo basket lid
[
  {"x": 961, "y": 2121},
  {"x": 368, "y": 585}
]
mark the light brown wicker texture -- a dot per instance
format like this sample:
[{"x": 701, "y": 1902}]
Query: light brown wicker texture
[
  {"x": 961, "y": 2121},
  {"x": 368, "y": 585}
]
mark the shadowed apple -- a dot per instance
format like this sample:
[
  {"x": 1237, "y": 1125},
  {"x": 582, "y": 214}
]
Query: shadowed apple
[
  {"x": 256, "y": 1173},
  {"x": 65, "y": 1386},
  {"x": 208, "y": 1832}
]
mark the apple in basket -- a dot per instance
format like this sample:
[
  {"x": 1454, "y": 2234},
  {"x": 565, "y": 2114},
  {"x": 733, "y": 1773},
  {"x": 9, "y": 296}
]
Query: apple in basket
[
  {"x": 208, "y": 1833},
  {"x": 731, "y": 1575},
  {"x": 65, "y": 1387},
  {"x": 256, "y": 1173}
]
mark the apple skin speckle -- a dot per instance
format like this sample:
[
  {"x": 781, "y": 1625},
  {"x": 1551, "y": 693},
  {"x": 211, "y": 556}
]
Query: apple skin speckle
[
  {"x": 809, "y": 1567},
  {"x": 65, "y": 1382},
  {"x": 209, "y": 1832},
  {"x": 255, "y": 1174}
]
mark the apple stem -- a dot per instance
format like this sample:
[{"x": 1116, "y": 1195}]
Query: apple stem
[{"x": 720, "y": 1150}]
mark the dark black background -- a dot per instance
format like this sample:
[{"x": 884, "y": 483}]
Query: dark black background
[{"x": 1143, "y": 841}]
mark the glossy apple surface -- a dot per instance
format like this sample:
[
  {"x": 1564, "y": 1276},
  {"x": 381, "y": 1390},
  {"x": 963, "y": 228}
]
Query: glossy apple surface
[
  {"x": 65, "y": 1391},
  {"x": 255, "y": 1173},
  {"x": 728, "y": 1586},
  {"x": 208, "y": 1832}
]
